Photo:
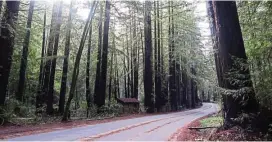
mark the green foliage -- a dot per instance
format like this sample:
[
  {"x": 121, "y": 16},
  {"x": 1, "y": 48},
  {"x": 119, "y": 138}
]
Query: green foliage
[
  {"x": 213, "y": 121},
  {"x": 113, "y": 109},
  {"x": 255, "y": 19},
  {"x": 19, "y": 109},
  {"x": 15, "y": 110}
]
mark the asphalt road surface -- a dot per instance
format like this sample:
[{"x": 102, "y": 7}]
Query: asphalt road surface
[{"x": 148, "y": 128}]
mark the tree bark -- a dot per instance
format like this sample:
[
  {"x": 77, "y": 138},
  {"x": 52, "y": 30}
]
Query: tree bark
[
  {"x": 156, "y": 56},
  {"x": 184, "y": 88},
  {"x": 48, "y": 62},
  {"x": 164, "y": 75},
  {"x": 233, "y": 59},
  {"x": 77, "y": 61},
  {"x": 132, "y": 56},
  {"x": 39, "y": 99},
  {"x": 50, "y": 94},
  {"x": 104, "y": 62},
  {"x": 158, "y": 85},
  {"x": 193, "y": 87},
  {"x": 23, "y": 65},
  {"x": 9, "y": 20},
  {"x": 128, "y": 66},
  {"x": 172, "y": 64},
  {"x": 125, "y": 77},
  {"x": 99, "y": 59},
  {"x": 148, "y": 82},
  {"x": 63, "y": 87},
  {"x": 111, "y": 73},
  {"x": 214, "y": 41},
  {"x": 1, "y": 3},
  {"x": 135, "y": 59}
]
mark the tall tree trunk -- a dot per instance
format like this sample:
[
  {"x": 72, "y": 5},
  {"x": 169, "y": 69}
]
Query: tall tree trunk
[
  {"x": 1, "y": 3},
  {"x": 87, "y": 80},
  {"x": 128, "y": 67},
  {"x": 172, "y": 70},
  {"x": 158, "y": 99},
  {"x": 77, "y": 61},
  {"x": 116, "y": 86},
  {"x": 214, "y": 40},
  {"x": 184, "y": 88},
  {"x": 189, "y": 90},
  {"x": 193, "y": 97},
  {"x": 148, "y": 82},
  {"x": 178, "y": 84},
  {"x": 163, "y": 74},
  {"x": 124, "y": 70},
  {"x": 48, "y": 63},
  {"x": 104, "y": 62},
  {"x": 125, "y": 77},
  {"x": 159, "y": 72},
  {"x": 63, "y": 87},
  {"x": 156, "y": 56},
  {"x": 88, "y": 89},
  {"x": 99, "y": 59},
  {"x": 23, "y": 65},
  {"x": 132, "y": 40},
  {"x": 111, "y": 70},
  {"x": 8, "y": 29},
  {"x": 39, "y": 99},
  {"x": 117, "y": 92},
  {"x": 143, "y": 51},
  {"x": 135, "y": 59},
  {"x": 50, "y": 95},
  {"x": 233, "y": 59}
]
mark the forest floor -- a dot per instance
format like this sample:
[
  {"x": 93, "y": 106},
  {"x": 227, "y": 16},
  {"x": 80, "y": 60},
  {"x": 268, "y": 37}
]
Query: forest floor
[{"x": 191, "y": 132}]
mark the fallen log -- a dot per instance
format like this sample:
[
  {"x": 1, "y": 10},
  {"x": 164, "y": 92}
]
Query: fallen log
[{"x": 202, "y": 127}]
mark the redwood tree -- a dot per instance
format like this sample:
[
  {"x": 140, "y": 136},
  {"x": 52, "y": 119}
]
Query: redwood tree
[
  {"x": 172, "y": 62},
  {"x": 98, "y": 64},
  {"x": 50, "y": 49},
  {"x": 77, "y": 61},
  {"x": 233, "y": 59},
  {"x": 39, "y": 95},
  {"x": 8, "y": 29},
  {"x": 23, "y": 65},
  {"x": 88, "y": 88},
  {"x": 103, "y": 79},
  {"x": 148, "y": 82},
  {"x": 63, "y": 87},
  {"x": 50, "y": 93}
]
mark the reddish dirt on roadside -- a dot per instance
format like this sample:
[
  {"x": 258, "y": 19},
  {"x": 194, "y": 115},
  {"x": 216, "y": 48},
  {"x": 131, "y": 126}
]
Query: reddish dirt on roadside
[
  {"x": 238, "y": 134},
  {"x": 232, "y": 134},
  {"x": 185, "y": 134}
]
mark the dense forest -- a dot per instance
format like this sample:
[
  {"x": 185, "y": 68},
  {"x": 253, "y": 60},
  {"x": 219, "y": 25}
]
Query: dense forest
[{"x": 75, "y": 59}]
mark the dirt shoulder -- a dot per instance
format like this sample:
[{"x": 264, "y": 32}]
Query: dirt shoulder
[
  {"x": 214, "y": 134},
  {"x": 185, "y": 134}
]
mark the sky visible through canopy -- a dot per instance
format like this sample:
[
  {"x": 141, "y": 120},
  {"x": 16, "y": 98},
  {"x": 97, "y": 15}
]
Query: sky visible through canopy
[{"x": 201, "y": 12}]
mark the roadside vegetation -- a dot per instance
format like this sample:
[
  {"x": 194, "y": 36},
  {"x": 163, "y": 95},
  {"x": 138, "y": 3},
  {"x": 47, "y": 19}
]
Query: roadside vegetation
[{"x": 213, "y": 121}]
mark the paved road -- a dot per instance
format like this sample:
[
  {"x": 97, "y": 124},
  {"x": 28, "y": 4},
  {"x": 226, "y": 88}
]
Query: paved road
[{"x": 148, "y": 128}]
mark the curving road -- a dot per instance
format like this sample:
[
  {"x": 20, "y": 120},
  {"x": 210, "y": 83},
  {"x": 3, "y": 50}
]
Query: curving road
[{"x": 148, "y": 128}]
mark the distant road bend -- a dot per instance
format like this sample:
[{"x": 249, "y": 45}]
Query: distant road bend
[{"x": 148, "y": 128}]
